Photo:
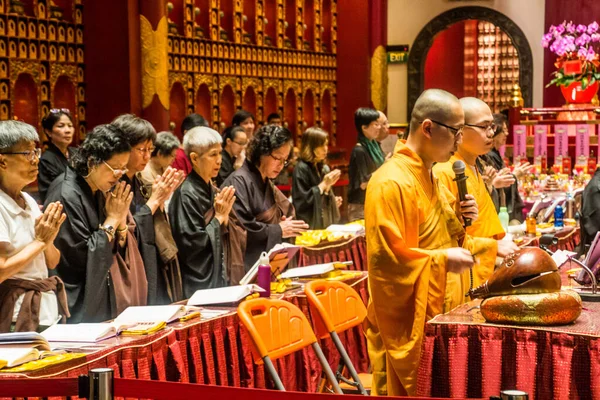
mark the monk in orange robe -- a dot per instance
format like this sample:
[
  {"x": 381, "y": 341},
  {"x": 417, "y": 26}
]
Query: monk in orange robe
[
  {"x": 414, "y": 237},
  {"x": 476, "y": 141}
]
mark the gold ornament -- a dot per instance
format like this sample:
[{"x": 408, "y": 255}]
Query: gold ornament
[
  {"x": 379, "y": 78},
  {"x": 155, "y": 77}
]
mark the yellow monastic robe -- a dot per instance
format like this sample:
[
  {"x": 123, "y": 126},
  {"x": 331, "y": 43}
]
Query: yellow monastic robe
[
  {"x": 410, "y": 221},
  {"x": 487, "y": 225}
]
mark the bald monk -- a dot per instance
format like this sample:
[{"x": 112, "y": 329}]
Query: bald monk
[
  {"x": 414, "y": 237},
  {"x": 476, "y": 141}
]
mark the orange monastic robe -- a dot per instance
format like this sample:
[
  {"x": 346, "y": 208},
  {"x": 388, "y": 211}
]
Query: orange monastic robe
[
  {"x": 487, "y": 225},
  {"x": 410, "y": 221}
]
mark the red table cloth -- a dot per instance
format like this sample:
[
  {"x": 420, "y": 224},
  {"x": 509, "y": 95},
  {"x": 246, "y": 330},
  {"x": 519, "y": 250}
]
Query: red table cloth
[
  {"x": 354, "y": 249},
  {"x": 215, "y": 351},
  {"x": 463, "y": 356}
]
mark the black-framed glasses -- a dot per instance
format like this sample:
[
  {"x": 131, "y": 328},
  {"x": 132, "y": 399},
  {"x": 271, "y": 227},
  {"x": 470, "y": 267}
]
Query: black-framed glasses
[
  {"x": 241, "y": 144},
  {"x": 283, "y": 161},
  {"x": 29, "y": 155},
  {"x": 490, "y": 127},
  {"x": 116, "y": 172},
  {"x": 455, "y": 131}
]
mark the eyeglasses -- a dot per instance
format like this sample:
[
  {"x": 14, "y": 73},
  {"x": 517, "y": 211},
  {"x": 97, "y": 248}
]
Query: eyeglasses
[
  {"x": 145, "y": 150},
  {"x": 455, "y": 131},
  {"x": 241, "y": 144},
  {"x": 490, "y": 127},
  {"x": 58, "y": 110},
  {"x": 116, "y": 172},
  {"x": 283, "y": 161},
  {"x": 29, "y": 155}
]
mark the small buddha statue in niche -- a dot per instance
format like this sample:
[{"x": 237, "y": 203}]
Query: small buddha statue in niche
[
  {"x": 16, "y": 7},
  {"x": 268, "y": 40},
  {"x": 287, "y": 43},
  {"x": 245, "y": 35}
]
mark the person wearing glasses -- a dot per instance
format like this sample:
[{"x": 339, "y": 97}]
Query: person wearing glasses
[
  {"x": 148, "y": 200},
  {"x": 414, "y": 238},
  {"x": 200, "y": 218},
  {"x": 235, "y": 140},
  {"x": 366, "y": 157},
  {"x": 477, "y": 140},
  {"x": 59, "y": 129},
  {"x": 265, "y": 212},
  {"x": 29, "y": 300},
  {"x": 312, "y": 193},
  {"x": 165, "y": 151},
  {"x": 100, "y": 262}
]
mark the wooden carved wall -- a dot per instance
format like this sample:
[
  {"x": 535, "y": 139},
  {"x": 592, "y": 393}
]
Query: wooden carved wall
[
  {"x": 42, "y": 61},
  {"x": 261, "y": 55}
]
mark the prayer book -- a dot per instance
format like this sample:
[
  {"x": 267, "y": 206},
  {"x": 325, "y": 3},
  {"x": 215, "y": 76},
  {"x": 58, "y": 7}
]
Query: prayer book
[
  {"x": 279, "y": 257},
  {"x": 11, "y": 357},
  {"x": 313, "y": 271},
  {"x": 229, "y": 295}
]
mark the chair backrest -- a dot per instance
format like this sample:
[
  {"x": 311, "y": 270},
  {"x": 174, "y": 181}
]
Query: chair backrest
[
  {"x": 335, "y": 306},
  {"x": 277, "y": 327}
]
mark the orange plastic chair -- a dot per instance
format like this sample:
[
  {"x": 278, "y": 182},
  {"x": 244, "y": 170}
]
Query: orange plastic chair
[
  {"x": 279, "y": 328},
  {"x": 337, "y": 307}
]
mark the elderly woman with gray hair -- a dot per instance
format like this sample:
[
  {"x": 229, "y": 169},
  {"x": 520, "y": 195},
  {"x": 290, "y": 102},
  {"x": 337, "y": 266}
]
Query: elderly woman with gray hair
[
  {"x": 28, "y": 298},
  {"x": 199, "y": 214}
]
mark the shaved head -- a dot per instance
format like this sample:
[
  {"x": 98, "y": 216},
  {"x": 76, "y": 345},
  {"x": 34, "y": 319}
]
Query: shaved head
[
  {"x": 435, "y": 104},
  {"x": 473, "y": 108}
]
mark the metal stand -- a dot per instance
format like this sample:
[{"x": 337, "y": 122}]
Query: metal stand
[
  {"x": 593, "y": 296},
  {"x": 101, "y": 384}
]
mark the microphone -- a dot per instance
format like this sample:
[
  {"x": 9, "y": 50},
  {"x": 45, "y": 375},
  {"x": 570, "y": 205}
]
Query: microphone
[{"x": 461, "y": 181}]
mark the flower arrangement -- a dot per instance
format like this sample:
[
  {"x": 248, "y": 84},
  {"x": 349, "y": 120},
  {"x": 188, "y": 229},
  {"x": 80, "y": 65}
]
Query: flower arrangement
[{"x": 576, "y": 48}]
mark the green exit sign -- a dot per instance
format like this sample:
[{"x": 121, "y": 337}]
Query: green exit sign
[{"x": 397, "y": 54}]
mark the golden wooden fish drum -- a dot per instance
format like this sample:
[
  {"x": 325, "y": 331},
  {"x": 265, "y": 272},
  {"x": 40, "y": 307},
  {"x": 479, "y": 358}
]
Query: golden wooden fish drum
[{"x": 558, "y": 308}]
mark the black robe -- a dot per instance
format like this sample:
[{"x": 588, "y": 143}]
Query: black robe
[
  {"x": 226, "y": 167},
  {"x": 144, "y": 234},
  {"x": 514, "y": 203},
  {"x": 52, "y": 164},
  {"x": 316, "y": 209},
  {"x": 200, "y": 250},
  {"x": 86, "y": 253},
  {"x": 360, "y": 170},
  {"x": 253, "y": 197},
  {"x": 590, "y": 212}
]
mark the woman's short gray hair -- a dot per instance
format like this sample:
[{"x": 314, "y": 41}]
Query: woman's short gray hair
[
  {"x": 200, "y": 139},
  {"x": 14, "y": 132},
  {"x": 165, "y": 143}
]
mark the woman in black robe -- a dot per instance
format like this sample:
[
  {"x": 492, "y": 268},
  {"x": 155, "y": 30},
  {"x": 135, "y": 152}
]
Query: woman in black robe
[
  {"x": 148, "y": 200},
  {"x": 234, "y": 142},
  {"x": 199, "y": 215},
  {"x": 312, "y": 193},
  {"x": 59, "y": 129},
  {"x": 100, "y": 263},
  {"x": 264, "y": 211},
  {"x": 366, "y": 157}
]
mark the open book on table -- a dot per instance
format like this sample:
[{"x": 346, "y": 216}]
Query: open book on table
[
  {"x": 314, "y": 271},
  {"x": 229, "y": 295},
  {"x": 279, "y": 257},
  {"x": 20, "y": 347},
  {"x": 134, "y": 321}
]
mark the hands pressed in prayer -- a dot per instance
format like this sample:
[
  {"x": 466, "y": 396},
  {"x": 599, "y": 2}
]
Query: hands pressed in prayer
[
  {"x": 223, "y": 203},
  {"x": 48, "y": 224},
  {"x": 489, "y": 174},
  {"x": 506, "y": 247},
  {"x": 164, "y": 185},
  {"x": 468, "y": 209},
  {"x": 117, "y": 205},
  {"x": 459, "y": 260},
  {"x": 521, "y": 170},
  {"x": 503, "y": 179},
  {"x": 292, "y": 227},
  {"x": 329, "y": 180}
]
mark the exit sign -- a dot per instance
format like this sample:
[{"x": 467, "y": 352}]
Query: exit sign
[{"x": 397, "y": 54}]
